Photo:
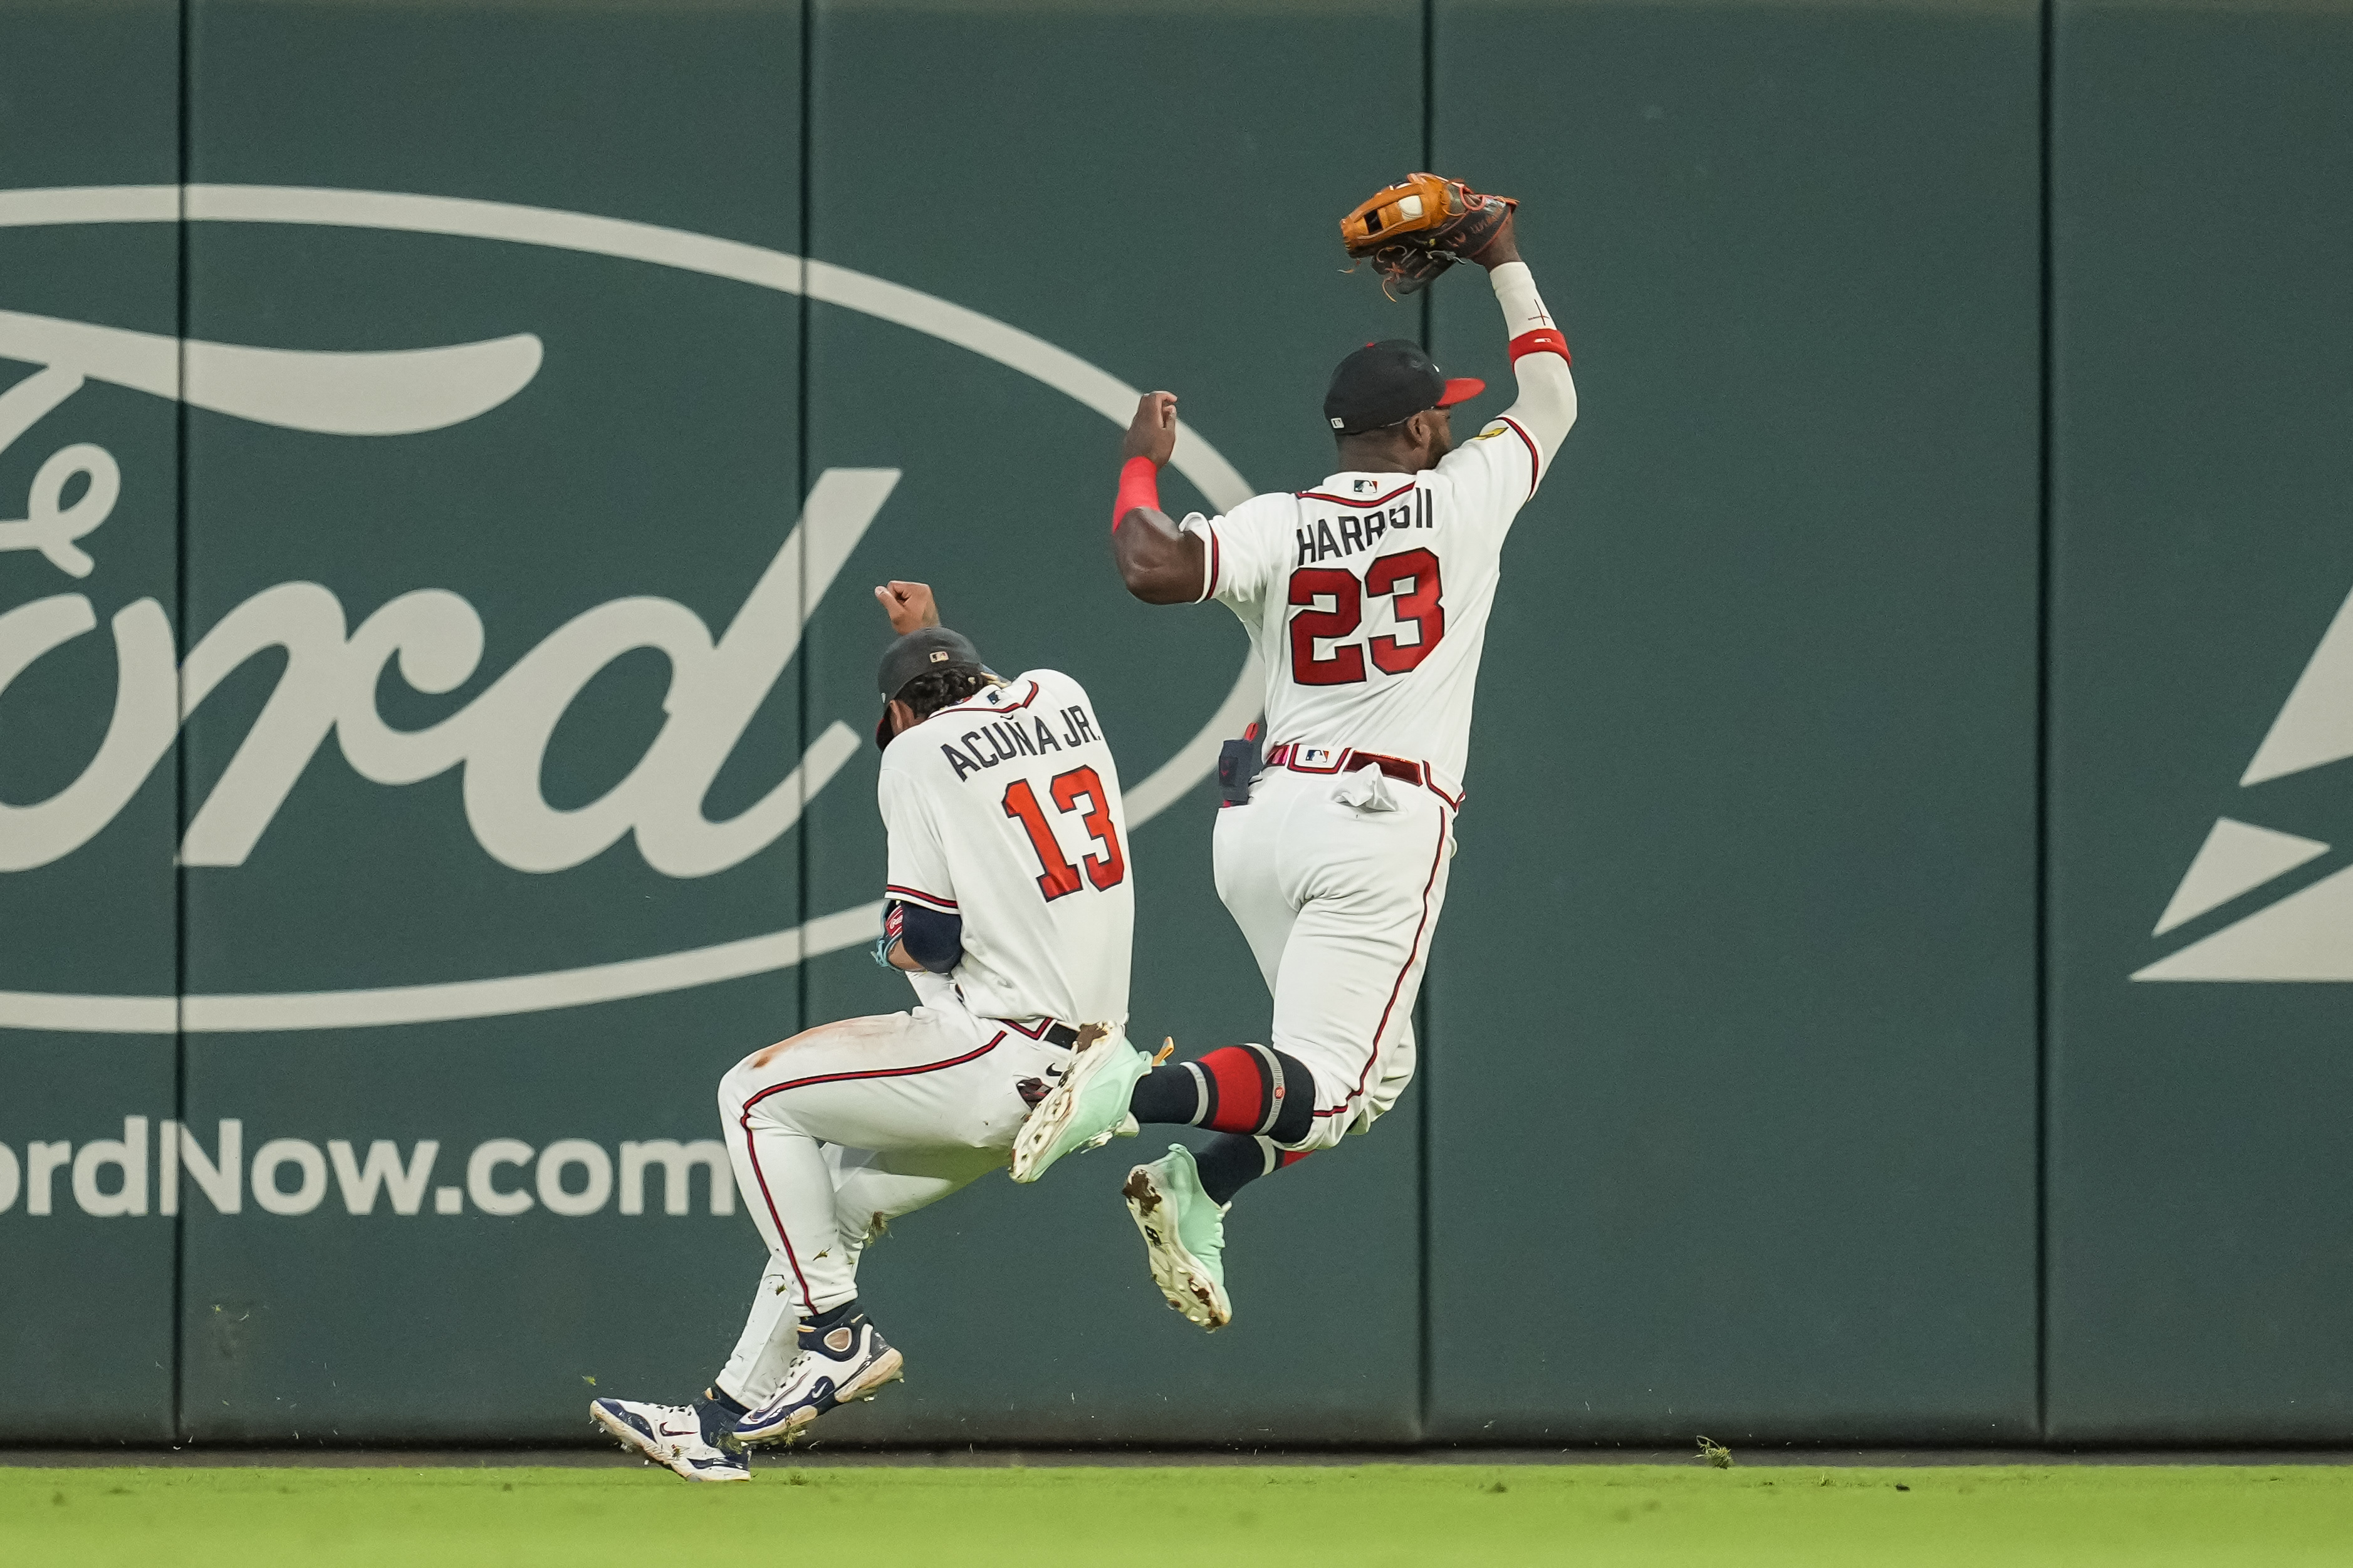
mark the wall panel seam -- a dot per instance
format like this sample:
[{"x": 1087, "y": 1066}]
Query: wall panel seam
[
  {"x": 186, "y": 152},
  {"x": 1422, "y": 1011},
  {"x": 2043, "y": 779},
  {"x": 804, "y": 686}
]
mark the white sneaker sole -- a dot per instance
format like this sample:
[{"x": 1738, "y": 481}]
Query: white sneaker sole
[
  {"x": 1187, "y": 1285},
  {"x": 732, "y": 1473},
  {"x": 1045, "y": 1123},
  {"x": 655, "y": 1452},
  {"x": 637, "y": 1442},
  {"x": 884, "y": 1369}
]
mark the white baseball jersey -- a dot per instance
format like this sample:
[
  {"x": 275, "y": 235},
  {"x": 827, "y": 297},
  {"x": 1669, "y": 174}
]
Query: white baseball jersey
[
  {"x": 1368, "y": 597},
  {"x": 1005, "y": 811}
]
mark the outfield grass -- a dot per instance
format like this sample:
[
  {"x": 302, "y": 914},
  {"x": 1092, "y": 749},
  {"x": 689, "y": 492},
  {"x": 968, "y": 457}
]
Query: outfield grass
[{"x": 1225, "y": 1516}]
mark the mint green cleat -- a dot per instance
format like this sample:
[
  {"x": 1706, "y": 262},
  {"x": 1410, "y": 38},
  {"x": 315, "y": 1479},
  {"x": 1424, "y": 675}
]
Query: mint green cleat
[
  {"x": 1088, "y": 1108},
  {"x": 1184, "y": 1237}
]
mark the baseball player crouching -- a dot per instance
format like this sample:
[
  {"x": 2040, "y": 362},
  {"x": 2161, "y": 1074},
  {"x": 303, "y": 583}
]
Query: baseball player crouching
[
  {"x": 1366, "y": 597},
  {"x": 1009, "y": 909}
]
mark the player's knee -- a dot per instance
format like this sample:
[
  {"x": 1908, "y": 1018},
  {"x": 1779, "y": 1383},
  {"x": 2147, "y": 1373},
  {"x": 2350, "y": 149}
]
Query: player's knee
[
  {"x": 736, "y": 1086},
  {"x": 1320, "y": 1133},
  {"x": 1256, "y": 1089}
]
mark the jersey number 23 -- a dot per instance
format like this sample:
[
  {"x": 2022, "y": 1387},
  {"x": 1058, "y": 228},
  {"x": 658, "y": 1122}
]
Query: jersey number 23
[{"x": 1409, "y": 579}]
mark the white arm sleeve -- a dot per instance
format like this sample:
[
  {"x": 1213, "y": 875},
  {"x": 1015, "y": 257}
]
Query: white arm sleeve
[{"x": 1547, "y": 403}]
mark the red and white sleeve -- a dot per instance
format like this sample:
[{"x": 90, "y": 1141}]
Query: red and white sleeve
[{"x": 1547, "y": 400}]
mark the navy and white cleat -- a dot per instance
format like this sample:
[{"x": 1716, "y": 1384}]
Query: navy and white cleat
[
  {"x": 853, "y": 1363},
  {"x": 675, "y": 1436}
]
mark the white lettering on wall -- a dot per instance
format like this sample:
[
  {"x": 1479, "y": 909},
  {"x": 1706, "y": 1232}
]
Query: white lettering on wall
[
  {"x": 311, "y": 1175},
  {"x": 41, "y": 1163},
  {"x": 677, "y": 1162},
  {"x": 571, "y": 1177},
  {"x": 500, "y": 739},
  {"x": 483, "y": 1165},
  {"x": 220, "y": 1181},
  {"x": 141, "y": 732},
  {"x": 49, "y": 525},
  {"x": 595, "y": 1164},
  {"x": 384, "y": 1172},
  {"x": 127, "y": 1155}
]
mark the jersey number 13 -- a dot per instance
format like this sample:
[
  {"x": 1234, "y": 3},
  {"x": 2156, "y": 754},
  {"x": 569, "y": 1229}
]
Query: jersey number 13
[{"x": 1105, "y": 870}]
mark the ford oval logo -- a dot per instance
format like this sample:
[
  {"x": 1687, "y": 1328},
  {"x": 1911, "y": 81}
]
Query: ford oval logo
[{"x": 433, "y": 638}]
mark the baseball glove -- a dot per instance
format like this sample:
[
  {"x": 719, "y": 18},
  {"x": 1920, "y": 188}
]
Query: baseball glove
[{"x": 1414, "y": 231}]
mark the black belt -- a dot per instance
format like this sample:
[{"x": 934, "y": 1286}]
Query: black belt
[{"x": 1052, "y": 1033}]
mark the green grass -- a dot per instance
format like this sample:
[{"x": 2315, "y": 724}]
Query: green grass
[{"x": 1218, "y": 1515}]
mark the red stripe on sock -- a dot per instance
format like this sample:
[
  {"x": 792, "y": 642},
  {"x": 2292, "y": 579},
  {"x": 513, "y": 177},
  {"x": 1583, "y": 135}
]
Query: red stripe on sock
[{"x": 1240, "y": 1078}]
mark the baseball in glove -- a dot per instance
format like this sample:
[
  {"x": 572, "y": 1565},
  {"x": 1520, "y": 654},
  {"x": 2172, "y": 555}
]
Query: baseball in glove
[{"x": 1413, "y": 231}]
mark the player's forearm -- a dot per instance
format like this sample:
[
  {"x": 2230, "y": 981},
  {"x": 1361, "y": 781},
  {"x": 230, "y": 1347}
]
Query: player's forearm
[
  {"x": 1547, "y": 400},
  {"x": 1160, "y": 564}
]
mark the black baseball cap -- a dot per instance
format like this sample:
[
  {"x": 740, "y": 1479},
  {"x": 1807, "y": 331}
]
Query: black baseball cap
[
  {"x": 919, "y": 653},
  {"x": 1385, "y": 384}
]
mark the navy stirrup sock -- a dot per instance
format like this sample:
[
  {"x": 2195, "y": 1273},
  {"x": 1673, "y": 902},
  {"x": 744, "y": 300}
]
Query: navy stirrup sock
[
  {"x": 718, "y": 1411},
  {"x": 816, "y": 1329},
  {"x": 1230, "y": 1164}
]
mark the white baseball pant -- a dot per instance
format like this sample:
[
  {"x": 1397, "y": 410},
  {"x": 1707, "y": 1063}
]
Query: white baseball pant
[
  {"x": 842, "y": 1129},
  {"x": 1337, "y": 880}
]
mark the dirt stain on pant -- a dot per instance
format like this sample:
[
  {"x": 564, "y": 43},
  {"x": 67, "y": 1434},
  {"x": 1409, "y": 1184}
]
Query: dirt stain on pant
[{"x": 845, "y": 1032}]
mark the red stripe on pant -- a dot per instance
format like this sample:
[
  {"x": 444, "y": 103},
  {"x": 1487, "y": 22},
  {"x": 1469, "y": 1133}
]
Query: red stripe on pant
[
  {"x": 752, "y": 1146},
  {"x": 1412, "y": 954}
]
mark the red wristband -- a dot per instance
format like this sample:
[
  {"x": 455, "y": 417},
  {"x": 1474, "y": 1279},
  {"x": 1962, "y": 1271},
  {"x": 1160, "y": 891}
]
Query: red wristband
[
  {"x": 1543, "y": 340},
  {"x": 1139, "y": 485}
]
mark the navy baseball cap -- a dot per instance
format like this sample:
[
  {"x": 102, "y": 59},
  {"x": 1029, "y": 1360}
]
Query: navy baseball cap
[
  {"x": 919, "y": 653},
  {"x": 1385, "y": 384}
]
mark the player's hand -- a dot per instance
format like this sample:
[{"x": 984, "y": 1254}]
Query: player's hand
[
  {"x": 1152, "y": 432},
  {"x": 909, "y": 606},
  {"x": 1504, "y": 248}
]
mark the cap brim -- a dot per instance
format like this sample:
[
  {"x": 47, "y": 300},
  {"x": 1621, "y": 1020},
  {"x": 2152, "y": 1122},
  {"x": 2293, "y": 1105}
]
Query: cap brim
[
  {"x": 883, "y": 736},
  {"x": 1460, "y": 389}
]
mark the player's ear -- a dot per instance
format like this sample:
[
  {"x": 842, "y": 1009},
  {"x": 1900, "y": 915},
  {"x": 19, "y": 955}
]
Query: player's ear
[{"x": 901, "y": 716}]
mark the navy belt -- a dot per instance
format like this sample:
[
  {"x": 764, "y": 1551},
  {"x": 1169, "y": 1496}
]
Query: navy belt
[{"x": 1048, "y": 1030}]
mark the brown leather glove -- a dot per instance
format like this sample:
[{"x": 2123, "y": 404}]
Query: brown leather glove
[{"x": 1415, "y": 230}]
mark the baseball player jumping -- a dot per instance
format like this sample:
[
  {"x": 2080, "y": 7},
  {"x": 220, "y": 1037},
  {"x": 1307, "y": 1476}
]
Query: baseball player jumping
[
  {"x": 1366, "y": 597},
  {"x": 1009, "y": 908}
]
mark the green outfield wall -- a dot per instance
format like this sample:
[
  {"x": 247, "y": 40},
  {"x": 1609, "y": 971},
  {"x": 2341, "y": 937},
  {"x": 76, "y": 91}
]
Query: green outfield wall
[{"x": 454, "y": 442}]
